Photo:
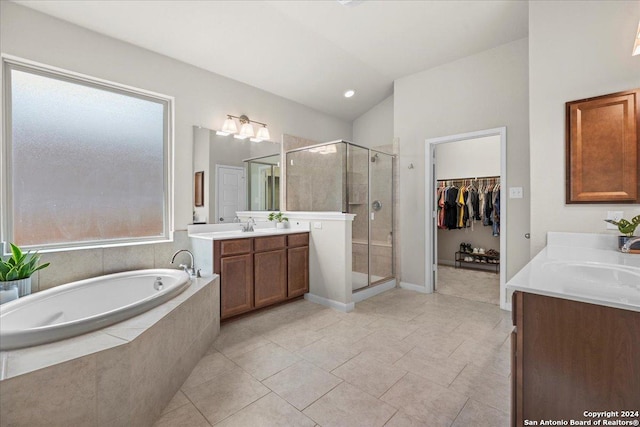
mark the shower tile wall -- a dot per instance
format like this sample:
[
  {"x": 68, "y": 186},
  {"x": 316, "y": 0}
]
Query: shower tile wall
[{"x": 315, "y": 181}]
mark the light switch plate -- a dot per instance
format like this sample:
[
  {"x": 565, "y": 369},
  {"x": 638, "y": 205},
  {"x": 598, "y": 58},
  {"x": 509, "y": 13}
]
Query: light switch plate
[
  {"x": 515, "y": 192},
  {"x": 616, "y": 216}
]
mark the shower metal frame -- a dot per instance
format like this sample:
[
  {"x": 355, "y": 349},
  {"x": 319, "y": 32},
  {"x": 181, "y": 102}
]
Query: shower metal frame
[{"x": 345, "y": 207}]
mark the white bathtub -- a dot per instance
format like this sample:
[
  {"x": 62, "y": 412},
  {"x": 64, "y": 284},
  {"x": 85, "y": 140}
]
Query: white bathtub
[{"x": 83, "y": 306}]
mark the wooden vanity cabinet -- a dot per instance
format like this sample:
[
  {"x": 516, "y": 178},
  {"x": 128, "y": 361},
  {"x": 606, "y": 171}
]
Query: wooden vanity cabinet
[
  {"x": 297, "y": 265},
  {"x": 236, "y": 299},
  {"x": 270, "y": 270},
  {"x": 260, "y": 271},
  {"x": 569, "y": 357}
]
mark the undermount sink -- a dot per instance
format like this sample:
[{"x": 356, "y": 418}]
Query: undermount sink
[{"x": 595, "y": 272}]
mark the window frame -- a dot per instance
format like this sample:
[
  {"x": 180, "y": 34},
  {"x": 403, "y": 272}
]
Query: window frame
[{"x": 8, "y": 63}]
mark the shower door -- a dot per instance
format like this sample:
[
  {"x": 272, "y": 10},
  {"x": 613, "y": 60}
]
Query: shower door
[
  {"x": 381, "y": 217},
  {"x": 358, "y": 204}
]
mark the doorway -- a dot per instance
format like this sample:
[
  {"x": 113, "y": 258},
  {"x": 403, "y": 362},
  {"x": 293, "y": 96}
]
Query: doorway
[
  {"x": 231, "y": 192},
  {"x": 461, "y": 258}
]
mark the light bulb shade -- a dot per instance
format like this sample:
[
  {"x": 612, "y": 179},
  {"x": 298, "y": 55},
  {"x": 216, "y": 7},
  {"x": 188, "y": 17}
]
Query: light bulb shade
[
  {"x": 229, "y": 126},
  {"x": 263, "y": 133},
  {"x": 246, "y": 130}
]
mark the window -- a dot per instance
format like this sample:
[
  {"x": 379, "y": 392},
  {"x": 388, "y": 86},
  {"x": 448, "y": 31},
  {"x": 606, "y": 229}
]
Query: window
[{"x": 85, "y": 163}]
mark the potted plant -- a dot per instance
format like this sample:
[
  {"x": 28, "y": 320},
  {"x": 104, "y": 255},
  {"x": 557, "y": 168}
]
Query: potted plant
[
  {"x": 18, "y": 268},
  {"x": 626, "y": 227},
  {"x": 279, "y": 218}
]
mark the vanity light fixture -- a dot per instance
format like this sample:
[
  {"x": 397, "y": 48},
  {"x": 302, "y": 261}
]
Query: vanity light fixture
[
  {"x": 349, "y": 93},
  {"x": 636, "y": 45},
  {"x": 246, "y": 129}
]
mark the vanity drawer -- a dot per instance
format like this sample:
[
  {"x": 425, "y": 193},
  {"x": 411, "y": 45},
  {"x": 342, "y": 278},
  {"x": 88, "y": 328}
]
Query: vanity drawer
[
  {"x": 269, "y": 243},
  {"x": 301, "y": 239},
  {"x": 235, "y": 246}
]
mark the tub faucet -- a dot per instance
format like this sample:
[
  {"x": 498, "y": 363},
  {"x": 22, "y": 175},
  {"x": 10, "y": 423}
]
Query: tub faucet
[
  {"x": 627, "y": 246},
  {"x": 189, "y": 269}
]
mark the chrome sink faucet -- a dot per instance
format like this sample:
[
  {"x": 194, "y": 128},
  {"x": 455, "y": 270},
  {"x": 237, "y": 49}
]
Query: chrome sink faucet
[
  {"x": 250, "y": 224},
  {"x": 627, "y": 246},
  {"x": 189, "y": 269}
]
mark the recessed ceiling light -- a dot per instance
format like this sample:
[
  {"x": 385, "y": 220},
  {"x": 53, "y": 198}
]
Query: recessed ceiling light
[{"x": 349, "y": 93}]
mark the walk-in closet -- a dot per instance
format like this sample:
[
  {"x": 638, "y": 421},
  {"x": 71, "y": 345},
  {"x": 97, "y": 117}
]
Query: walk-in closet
[{"x": 467, "y": 196}]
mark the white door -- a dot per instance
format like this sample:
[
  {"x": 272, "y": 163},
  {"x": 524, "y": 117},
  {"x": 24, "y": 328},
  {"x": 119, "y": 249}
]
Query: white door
[{"x": 231, "y": 192}]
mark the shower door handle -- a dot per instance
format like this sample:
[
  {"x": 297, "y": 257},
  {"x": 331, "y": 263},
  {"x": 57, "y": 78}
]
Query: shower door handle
[{"x": 373, "y": 216}]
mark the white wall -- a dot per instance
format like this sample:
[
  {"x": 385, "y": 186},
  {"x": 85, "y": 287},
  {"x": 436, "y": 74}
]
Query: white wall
[
  {"x": 375, "y": 127},
  {"x": 201, "y": 97},
  {"x": 469, "y": 158},
  {"x": 578, "y": 49},
  {"x": 483, "y": 91}
]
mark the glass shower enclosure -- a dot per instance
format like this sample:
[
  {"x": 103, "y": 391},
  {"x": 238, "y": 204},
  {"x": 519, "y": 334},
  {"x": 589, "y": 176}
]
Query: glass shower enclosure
[{"x": 345, "y": 177}]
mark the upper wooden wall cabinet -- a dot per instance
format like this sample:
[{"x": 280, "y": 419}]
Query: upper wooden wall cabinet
[{"x": 602, "y": 150}]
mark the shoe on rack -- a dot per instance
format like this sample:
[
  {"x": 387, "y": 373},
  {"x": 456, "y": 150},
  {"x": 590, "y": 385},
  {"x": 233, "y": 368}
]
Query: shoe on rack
[
  {"x": 475, "y": 250},
  {"x": 481, "y": 251}
]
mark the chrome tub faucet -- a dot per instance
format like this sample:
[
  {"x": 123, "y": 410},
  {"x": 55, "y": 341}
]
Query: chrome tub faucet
[{"x": 191, "y": 270}]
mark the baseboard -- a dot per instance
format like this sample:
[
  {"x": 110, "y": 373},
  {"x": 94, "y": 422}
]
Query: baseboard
[
  {"x": 413, "y": 287},
  {"x": 361, "y": 295},
  {"x": 340, "y": 306}
]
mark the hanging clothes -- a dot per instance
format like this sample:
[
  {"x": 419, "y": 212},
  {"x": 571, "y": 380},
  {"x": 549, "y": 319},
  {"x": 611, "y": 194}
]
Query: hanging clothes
[
  {"x": 461, "y": 203},
  {"x": 496, "y": 211}
]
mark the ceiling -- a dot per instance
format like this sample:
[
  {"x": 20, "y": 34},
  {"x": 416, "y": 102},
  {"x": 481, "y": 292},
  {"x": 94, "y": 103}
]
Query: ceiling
[{"x": 306, "y": 51}]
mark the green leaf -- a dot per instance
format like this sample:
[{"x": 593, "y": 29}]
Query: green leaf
[
  {"x": 20, "y": 265},
  {"x": 13, "y": 274},
  {"x": 17, "y": 255},
  {"x": 41, "y": 266}
]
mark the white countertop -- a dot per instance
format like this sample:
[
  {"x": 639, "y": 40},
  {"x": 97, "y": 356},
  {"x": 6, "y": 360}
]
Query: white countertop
[
  {"x": 237, "y": 234},
  {"x": 583, "y": 267}
]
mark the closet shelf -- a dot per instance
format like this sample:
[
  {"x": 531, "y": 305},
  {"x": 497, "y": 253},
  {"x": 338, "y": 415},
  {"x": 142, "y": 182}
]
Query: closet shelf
[{"x": 476, "y": 265}]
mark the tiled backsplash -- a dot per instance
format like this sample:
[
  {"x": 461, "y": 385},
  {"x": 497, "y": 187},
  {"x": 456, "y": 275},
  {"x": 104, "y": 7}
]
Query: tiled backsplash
[{"x": 81, "y": 264}]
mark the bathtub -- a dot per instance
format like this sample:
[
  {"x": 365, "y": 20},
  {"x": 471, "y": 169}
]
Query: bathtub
[{"x": 79, "y": 307}]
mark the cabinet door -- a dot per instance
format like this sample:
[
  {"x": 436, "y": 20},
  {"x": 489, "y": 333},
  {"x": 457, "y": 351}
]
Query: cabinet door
[
  {"x": 236, "y": 285},
  {"x": 270, "y": 277},
  {"x": 298, "y": 271},
  {"x": 602, "y": 149}
]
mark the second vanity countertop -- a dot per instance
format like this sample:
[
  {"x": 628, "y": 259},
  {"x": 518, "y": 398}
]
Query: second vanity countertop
[{"x": 585, "y": 268}]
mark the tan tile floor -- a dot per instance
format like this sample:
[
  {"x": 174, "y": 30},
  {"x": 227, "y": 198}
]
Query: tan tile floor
[
  {"x": 399, "y": 359},
  {"x": 475, "y": 285}
]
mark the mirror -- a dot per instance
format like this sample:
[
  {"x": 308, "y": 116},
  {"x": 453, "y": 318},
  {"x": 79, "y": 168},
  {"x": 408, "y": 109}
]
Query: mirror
[
  {"x": 263, "y": 183},
  {"x": 238, "y": 175}
]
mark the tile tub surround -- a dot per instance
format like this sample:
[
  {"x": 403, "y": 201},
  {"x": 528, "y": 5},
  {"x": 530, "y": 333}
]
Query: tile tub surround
[
  {"x": 70, "y": 266},
  {"x": 121, "y": 375},
  {"x": 399, "y": 358}
]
